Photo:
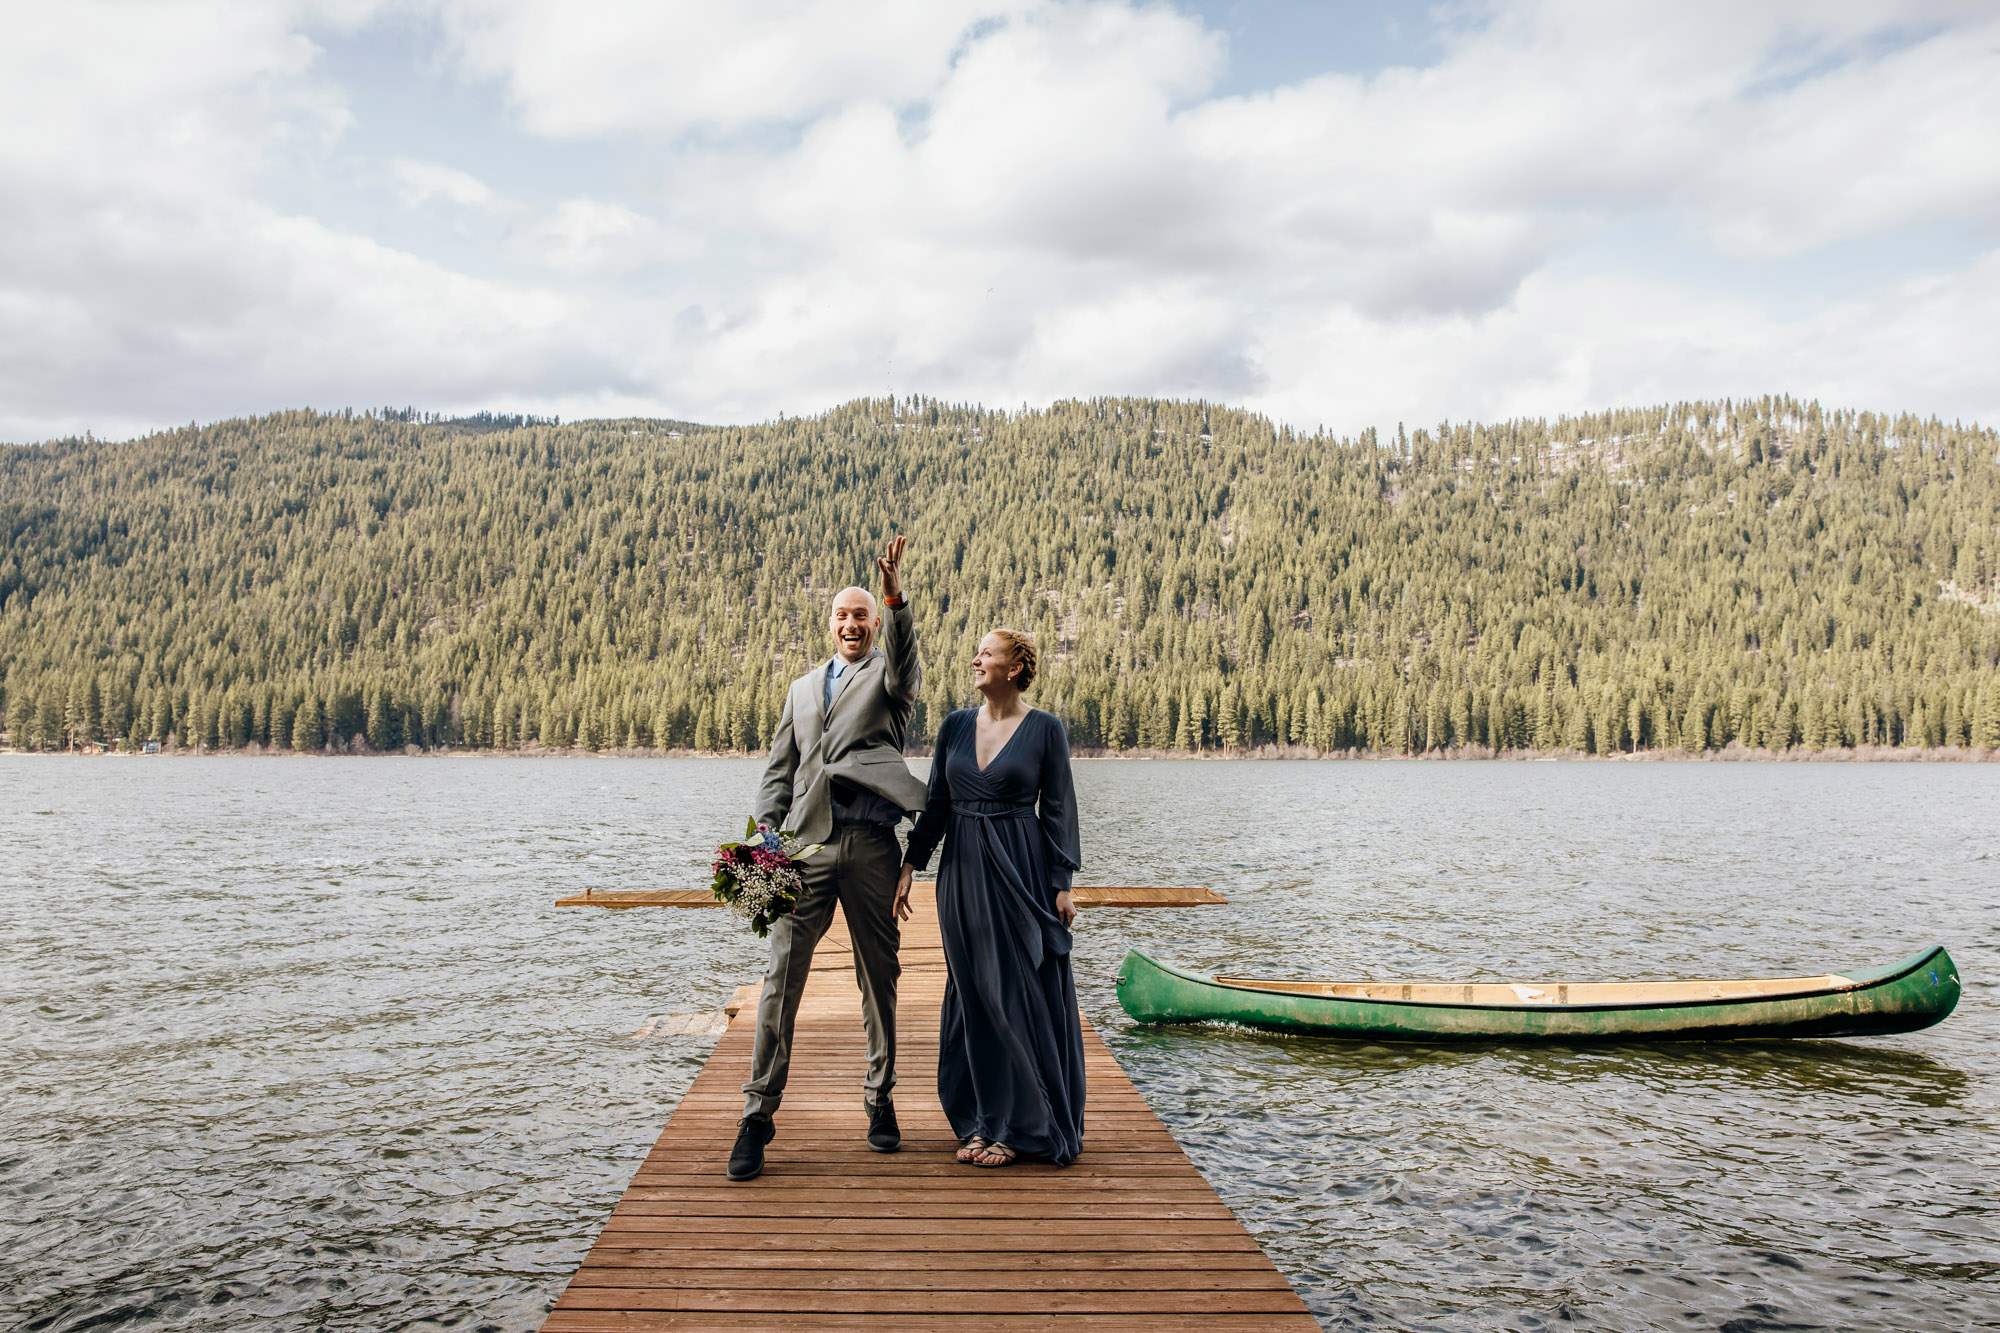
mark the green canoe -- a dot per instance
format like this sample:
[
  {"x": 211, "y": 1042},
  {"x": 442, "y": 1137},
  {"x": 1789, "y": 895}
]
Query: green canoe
[{"x": 1901, "y": 997}]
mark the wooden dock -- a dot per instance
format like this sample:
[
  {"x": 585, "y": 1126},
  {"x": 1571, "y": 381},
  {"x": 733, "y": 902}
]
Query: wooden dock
[{"x": 833, "y": 1236}]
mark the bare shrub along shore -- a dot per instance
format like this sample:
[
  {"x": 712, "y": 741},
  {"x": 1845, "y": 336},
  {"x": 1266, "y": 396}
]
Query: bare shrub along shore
[{"x": 1732, "y": 579}]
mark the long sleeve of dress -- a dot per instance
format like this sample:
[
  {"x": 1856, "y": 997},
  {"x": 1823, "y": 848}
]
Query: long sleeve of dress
[
  {"x": 936, "y": 818},
  {"x": 1058, "y": 809}
]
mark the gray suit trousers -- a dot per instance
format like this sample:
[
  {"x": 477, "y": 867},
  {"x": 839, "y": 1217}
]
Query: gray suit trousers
[{"x": 857, "y": 868}]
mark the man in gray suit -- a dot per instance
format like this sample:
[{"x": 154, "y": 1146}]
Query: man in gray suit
[{"x": 837, "y": 776}]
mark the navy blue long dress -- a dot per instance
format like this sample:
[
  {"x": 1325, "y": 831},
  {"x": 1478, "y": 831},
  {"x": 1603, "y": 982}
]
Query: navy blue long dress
[{"x": 1010, "y": 1050}]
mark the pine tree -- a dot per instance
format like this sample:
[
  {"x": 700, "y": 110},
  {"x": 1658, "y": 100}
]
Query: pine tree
[
  {"x": 381, "y": 735},
  {"x": 1657, "y": 581},
  {"x": 309, "y": 724},
  {"x": 1986, "y": 730}
]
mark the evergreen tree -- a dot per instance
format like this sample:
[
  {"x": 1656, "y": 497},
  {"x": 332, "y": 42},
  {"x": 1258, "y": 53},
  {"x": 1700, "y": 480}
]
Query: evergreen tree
[
  {"x": 1986, "y": 731},
  {"x": 381, "y": 735},
  {"x": 309, "y": 725},
  {"x": 1762, "y": 572}
]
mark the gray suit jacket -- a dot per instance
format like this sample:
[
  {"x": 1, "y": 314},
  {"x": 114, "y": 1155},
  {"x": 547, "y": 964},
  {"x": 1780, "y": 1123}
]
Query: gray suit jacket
[{"x": 858, "y": 740}]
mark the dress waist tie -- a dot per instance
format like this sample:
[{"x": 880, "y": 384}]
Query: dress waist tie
[
  {"x": 1005, "y": 812},
  {"x": 1053, "y": 936}
]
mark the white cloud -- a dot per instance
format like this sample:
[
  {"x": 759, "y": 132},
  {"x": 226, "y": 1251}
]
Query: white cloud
[
  {"x": 187, "y": 311},
  {"x": 139, "y": 96},
  {"x": 793, "y": 203},
  {"x": 1250, "y": 246},
  {"x": 664, "y": 65},
  {"x": 420, "y": 182},
  {"x": 590, "y": 236},
  {"x": 145, "y": 281},
  {"x": 1573, "y": 342}
]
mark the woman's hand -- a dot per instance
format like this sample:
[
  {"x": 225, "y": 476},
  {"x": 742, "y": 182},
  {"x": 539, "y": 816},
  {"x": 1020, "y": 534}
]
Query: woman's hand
[
  {"x": 1065, "y": 908},
  {"x": 902, "y": 908}
]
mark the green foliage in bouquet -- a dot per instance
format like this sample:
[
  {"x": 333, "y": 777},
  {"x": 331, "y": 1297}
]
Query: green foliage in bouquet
[{"x": 759, "y": 876}]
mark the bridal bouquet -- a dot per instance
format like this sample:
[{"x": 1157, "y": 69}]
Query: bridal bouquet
[{"x": 759, "y": 876}]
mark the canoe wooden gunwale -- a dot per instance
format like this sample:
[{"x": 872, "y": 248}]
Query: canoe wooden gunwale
[
  {"x": 1904, "y": 996},
  {"x": 1794, "y": 988}
]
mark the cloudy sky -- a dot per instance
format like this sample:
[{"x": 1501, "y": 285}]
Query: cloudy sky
[{"x": 1340, "y": 214}]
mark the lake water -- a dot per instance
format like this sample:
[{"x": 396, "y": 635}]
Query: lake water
[{"x": 304, "y": 1041}]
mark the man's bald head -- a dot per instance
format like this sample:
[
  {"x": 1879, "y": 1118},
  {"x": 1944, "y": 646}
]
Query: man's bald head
[{"x": 853, "y": 622}]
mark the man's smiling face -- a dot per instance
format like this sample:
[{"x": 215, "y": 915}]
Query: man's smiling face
[{"x": 853, "y": 623}]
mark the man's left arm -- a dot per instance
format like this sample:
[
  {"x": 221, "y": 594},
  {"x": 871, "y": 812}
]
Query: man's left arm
[{"x": 903, "y": 673}]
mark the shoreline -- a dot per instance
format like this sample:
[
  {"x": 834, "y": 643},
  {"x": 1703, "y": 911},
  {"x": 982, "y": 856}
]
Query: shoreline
[{"x": 1732, "y": 754}]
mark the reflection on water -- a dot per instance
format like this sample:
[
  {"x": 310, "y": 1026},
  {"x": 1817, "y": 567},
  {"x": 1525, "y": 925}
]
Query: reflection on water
[
  {"x": 305, "y": 1041},
  {"x": 1792, "y": 1067}
]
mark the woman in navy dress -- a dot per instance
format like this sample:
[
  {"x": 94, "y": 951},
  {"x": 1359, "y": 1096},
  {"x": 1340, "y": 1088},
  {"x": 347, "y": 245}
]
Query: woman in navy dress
[{"x": 1010, "y": 1049}]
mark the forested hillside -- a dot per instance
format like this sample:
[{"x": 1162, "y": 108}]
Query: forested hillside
[{"x": 1765, "y": 573}]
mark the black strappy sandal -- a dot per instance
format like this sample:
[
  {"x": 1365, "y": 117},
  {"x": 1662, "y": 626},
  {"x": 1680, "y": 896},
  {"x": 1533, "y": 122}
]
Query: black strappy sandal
[{"x": 1000, "y": 1150}]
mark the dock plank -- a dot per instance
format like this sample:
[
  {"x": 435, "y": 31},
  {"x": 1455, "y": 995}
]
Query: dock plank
[{"x": 834, "y": 1236}]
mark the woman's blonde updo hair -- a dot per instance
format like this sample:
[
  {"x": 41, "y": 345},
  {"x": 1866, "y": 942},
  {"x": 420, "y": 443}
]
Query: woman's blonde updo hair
[{"x": 1021, "y": 645}]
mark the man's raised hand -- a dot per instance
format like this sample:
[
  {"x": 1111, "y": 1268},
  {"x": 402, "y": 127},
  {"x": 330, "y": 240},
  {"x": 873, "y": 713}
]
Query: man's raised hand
[{"x": 889, "y": 563}]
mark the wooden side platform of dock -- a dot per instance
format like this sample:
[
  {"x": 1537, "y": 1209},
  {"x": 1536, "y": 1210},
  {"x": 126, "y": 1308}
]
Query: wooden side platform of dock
[
  {"x": 1085, "y": 895},
  {"x": 833, "y": 1236}
]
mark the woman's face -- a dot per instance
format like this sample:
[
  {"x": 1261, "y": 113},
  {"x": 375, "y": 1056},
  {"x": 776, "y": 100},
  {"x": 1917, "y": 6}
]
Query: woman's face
[{"x": 993, "y": 665}]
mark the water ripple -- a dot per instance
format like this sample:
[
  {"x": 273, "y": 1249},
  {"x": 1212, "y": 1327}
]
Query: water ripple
[{"x": 305, "y": 1042}]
